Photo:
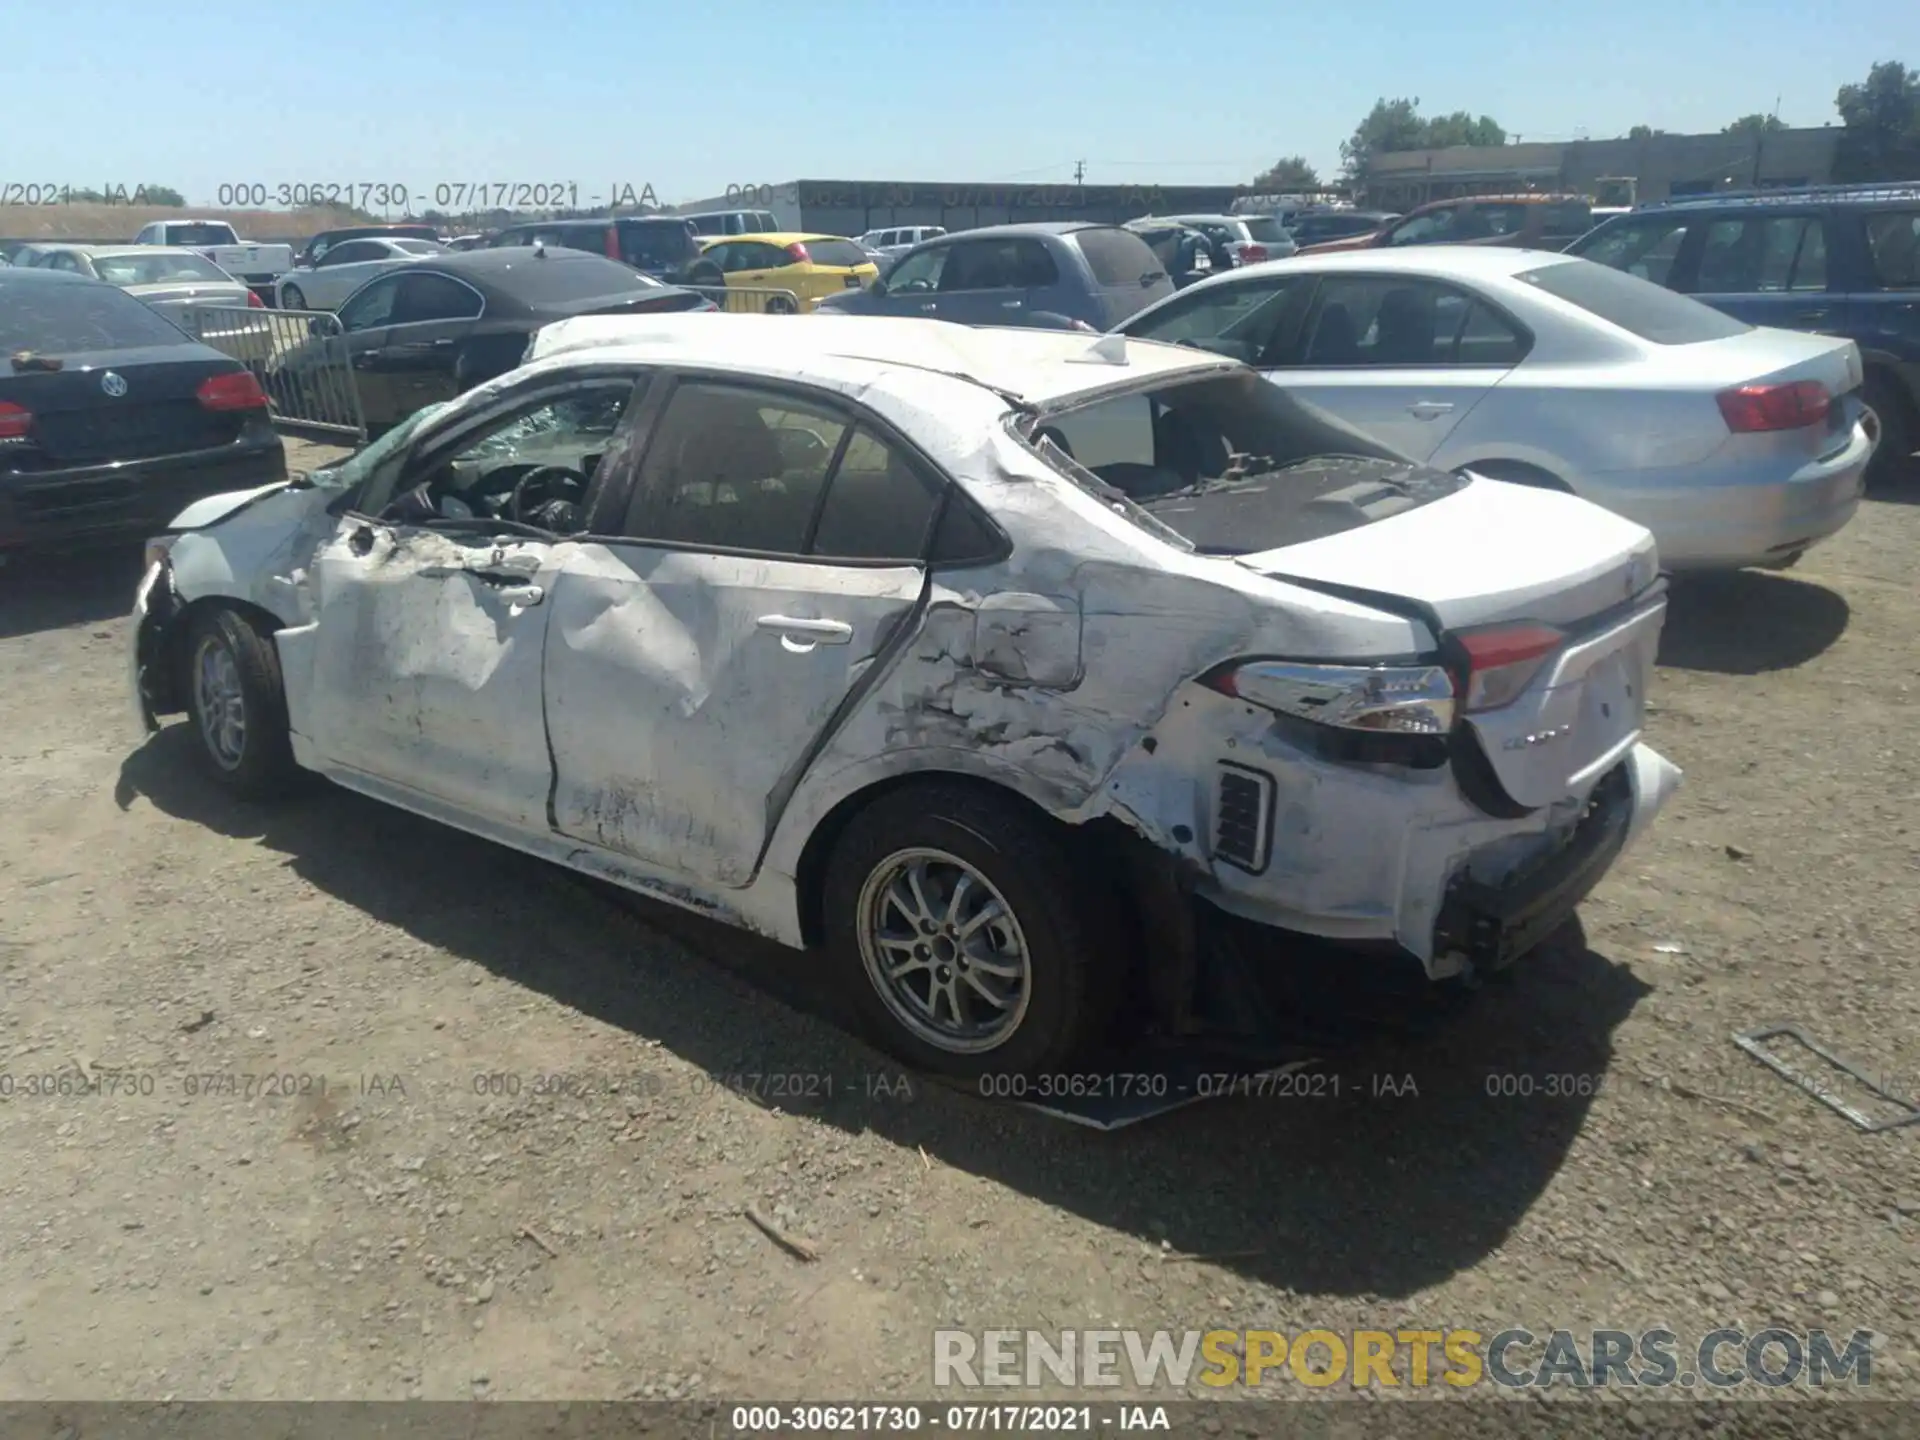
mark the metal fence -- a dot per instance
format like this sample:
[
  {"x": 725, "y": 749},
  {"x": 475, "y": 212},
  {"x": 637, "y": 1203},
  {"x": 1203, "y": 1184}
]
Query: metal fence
[
  {"x": 753, "y": 300},
  {"x": 300, "y": 358}
]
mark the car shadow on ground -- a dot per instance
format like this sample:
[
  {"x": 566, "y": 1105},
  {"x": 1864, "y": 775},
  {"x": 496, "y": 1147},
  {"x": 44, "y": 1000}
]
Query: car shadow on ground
[
  {"x": 50, "y": 592},
  {"x": 1425, "y": 1160},
  {"x": 1747, "y": 622}
]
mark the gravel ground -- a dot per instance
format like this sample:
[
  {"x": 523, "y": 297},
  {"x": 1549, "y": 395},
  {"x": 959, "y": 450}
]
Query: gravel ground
[{"x": 442, "y": 1221}]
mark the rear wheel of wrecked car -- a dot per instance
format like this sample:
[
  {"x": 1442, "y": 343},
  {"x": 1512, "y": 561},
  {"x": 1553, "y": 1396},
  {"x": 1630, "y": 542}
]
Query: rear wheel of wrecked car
[
  {"x": 237, "y": 706},
  {"x": 961, "y": 928},
  {"x": 291, "y": 298}
]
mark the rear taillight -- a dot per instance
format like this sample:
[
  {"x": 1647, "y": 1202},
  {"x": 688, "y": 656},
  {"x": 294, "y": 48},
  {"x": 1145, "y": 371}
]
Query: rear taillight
[
  {"x": 235, "y": 391},
  {"x": 1252, "y": 253},
  {"x": 254, "y": 302},
  {"x": 15, "y": 421},
  {"x": 1383, "y": 699},
  {"x": 1790, "y": 406},
  {"x": 1495, "y": 665},
  {"x": 798, "y": 254}
]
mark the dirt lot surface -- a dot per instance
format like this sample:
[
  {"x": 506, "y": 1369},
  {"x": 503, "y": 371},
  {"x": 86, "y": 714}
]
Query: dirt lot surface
[
  {"x": 102, "y": 222},
  {"x": 444, "y": 1221}
]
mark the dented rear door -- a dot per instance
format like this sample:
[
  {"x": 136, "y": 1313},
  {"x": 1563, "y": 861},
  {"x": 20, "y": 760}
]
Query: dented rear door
[{"x": 688, "y": 692}]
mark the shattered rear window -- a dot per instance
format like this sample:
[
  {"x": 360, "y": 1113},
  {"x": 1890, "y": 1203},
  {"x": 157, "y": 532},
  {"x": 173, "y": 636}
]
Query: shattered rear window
[{"x": 1229, "y": 465}]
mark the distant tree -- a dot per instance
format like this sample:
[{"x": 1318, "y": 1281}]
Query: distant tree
[
  {"x": 1461, "y": 128},
  {"x": 161, "y": 195},
  {"x": 1755, "y": 124},
  {"x": 1643, "y": 132},
  {"x": 1398, "y": 125},
  {"x": 1390, "y": 125},
  {"x": 1882, "y": 119},
  {"x": 1283, "y": 176}
]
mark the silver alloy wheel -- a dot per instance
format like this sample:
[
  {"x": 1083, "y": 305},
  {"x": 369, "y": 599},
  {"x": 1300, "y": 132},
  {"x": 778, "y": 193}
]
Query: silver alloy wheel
[
  {"x": 944, "y": 950},
  {"x": 219, "y": 702},
  {"x": 292, "y": 298}
]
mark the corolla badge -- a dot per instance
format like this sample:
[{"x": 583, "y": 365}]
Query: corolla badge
[{"x": 114, "y": 385}]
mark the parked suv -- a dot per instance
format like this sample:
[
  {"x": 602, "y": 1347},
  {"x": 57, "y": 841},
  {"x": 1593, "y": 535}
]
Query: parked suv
[
  {"x": 663, "y": 246},
  {"x": 1530, "y": 222},
  {"x": 1838, "y": 260},
  {"x": 1058, "y": 275}
]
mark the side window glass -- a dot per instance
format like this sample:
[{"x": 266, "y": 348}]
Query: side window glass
[
  {"x": 879, "y": 505},
  {"x": 1471, "y": 333},
  {"x": 1426, "y": 229},
  {"x": 1378, "y": 321},
  {"x": 1237, "y": 320},
  {"x": 434, "y": 297},
  {"x": 1759, "y": 255},
  {"x": 921, "y": 271},
  {"x": 732, "y": 468},
  {"x": 1893, "y": 239},
  {"x": 1645, "y": 248},
  {"x": 1810, "y": 264},
  {"x": 370, "y": 307},
  {"x": 980, "y": 265},
  {"x": 1033, "y": 265},
  {"x": 568, "y": 434}
]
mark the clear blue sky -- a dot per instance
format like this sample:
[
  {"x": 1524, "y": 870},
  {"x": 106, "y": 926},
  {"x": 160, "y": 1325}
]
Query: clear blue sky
[{"x": 691, "y": 97}]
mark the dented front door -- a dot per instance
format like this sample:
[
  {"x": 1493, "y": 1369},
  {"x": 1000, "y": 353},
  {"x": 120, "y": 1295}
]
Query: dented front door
[
  {"x": 688, "y": 691},
  {"x": 427, "y": 664}
]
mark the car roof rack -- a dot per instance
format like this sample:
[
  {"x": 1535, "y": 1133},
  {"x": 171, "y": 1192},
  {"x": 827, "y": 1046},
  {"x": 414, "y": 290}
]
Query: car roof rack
[{"x": 1799, "y": 194}]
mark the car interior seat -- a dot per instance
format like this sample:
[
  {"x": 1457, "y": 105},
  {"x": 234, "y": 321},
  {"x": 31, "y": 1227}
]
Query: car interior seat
[
  {"x": 1336, "y": 341},
  {"x": 1407, "y": 324}
]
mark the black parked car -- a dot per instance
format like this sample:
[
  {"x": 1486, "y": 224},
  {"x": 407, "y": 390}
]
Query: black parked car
[
  {"x": 1838, "y": 260},
  {"x": 436, "y": 327},
  {"x": 325, "y": 240},
  {"x": 663, "y": 246},
  {"x": 112, "y": 418}
]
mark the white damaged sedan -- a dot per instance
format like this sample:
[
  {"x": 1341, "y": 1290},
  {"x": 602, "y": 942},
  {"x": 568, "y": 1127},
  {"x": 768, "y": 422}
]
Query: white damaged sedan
[{"x": 977, "y": 659}]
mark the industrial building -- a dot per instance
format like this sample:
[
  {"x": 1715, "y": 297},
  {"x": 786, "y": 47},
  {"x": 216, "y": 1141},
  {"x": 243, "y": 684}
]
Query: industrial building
[
  {"x": 853, "y": 207},
  {"x": 1619, "y": 172}
]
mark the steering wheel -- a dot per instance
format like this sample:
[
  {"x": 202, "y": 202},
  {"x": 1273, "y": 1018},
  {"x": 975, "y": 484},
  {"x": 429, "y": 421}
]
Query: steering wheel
[{"x": 540, "y": 485}]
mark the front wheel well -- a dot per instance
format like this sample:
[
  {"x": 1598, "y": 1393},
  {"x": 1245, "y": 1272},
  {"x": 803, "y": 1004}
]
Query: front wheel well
[{"x": 169, "y": 661}]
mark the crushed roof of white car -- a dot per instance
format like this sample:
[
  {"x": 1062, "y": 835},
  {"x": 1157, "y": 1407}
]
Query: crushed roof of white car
[{"x": 979, "y": 659}]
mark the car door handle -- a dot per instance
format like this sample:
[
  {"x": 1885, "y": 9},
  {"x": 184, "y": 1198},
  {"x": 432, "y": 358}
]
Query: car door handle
[
  {"x": 824, "y": 632},
  {"x": 1429, "y": 409},
  {"x": 364, "y": 360},
  {"x": 1808, "y": 317},
  {"x": 1011, "y": 304}
]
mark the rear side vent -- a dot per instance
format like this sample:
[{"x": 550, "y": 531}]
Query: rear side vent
[{"x": 1243, "y": 818}]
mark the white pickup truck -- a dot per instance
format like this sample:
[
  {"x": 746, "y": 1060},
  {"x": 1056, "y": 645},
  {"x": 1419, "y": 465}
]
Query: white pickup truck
[{"x": 257, "y": 266}]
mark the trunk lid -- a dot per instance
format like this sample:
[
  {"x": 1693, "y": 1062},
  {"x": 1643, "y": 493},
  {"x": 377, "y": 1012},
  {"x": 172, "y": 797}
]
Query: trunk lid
[
  {"x": 77, "y": 422},
  {"x": 1491, "y": 553}
]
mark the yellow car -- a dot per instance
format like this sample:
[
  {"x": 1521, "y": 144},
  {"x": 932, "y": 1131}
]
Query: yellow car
[{"x": 811, "y": 267}]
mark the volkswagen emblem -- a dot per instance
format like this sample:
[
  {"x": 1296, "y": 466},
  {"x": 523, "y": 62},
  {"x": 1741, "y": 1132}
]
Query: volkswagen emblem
[{"x": 113, "y": 384}]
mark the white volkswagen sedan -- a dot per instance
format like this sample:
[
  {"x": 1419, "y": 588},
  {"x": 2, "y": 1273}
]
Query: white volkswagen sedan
[
  {"x": 1734, "y": 445},
  {"x": 973, "y": 657}
]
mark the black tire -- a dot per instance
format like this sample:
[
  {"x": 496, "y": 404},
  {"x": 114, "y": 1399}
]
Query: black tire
[
  {"x": 260, "y": 765},
  {"x": 292, "y": 298},
  {"x": 781, "y": 305},
  {"x": 1897, "y": 439},
  {"x": 1068, "y": 1004}
]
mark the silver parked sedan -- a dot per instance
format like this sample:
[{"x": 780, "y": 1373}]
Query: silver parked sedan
[
  {"x": 1736, "y": 445},
  {"x": 347, "y": 266},
  {"x": 185, "y": 286}
]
